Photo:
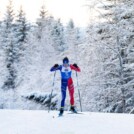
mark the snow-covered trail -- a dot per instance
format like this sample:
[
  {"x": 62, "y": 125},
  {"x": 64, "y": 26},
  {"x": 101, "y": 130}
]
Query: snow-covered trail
[{"x": 42, "y": 122}]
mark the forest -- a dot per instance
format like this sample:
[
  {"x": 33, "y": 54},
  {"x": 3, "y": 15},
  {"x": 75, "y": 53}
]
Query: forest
[{"x": 104, "y": 51}]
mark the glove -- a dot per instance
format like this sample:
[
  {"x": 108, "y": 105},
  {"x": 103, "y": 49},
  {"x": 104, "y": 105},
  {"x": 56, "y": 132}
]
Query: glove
[
  {"x": 75, "y": 65},
  {"x": 56, "y": 65}
]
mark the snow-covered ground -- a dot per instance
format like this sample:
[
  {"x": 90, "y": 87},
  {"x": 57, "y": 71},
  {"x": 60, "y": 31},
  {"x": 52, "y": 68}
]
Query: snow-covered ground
[{"x": 42, "y": 122}]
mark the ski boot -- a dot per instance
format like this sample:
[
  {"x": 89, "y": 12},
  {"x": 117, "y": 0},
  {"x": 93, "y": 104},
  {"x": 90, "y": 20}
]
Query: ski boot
[
  {"x": 73, "y": 110},
  {"x": 61, "y": 111}
]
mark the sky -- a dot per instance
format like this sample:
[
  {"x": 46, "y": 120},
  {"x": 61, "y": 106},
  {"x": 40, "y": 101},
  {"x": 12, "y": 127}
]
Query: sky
[{"x": 64, "y": 9}]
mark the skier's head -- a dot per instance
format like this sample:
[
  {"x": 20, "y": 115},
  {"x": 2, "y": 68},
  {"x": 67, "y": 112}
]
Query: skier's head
[{"x": 65, "y": 61}]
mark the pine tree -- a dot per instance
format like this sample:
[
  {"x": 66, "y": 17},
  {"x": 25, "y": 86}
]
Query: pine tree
[
  {"x": 7, "y": 24},
  {"x": 43, "y": 12},
  {"x": 71, "y": 24},
  {"x": 58, "y": 35},
  {"x": 71, "y": 37},
  {"x": 41, "y": 22},
  {"x": 122, "y": 69},
  {"x": 20, "y": 34},
  {"x": 7, "y": 30},
  {"x": 114, "y": 37},
  {"x": 70, "y": 32}
]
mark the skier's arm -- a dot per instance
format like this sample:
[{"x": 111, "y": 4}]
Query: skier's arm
[
  {"x": 55, "y": 68},
  {"x": 75, "y": 67}
]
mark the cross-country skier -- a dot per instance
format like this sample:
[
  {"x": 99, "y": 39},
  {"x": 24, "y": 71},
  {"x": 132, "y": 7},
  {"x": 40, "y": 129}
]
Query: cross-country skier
[{"x": 66, "y": 81}]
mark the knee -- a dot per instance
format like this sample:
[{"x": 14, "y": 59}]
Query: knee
[
  {"x": 63, "y": 94},
  {"x": 71, "y": 86}
]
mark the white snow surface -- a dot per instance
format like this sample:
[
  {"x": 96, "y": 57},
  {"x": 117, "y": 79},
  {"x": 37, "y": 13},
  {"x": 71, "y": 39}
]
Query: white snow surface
[{"x": 42, "y": 122}]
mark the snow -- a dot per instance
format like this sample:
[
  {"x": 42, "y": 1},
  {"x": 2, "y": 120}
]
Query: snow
[
  {"x": 42, "y": 122},
  {"x": 104, "y": 51}
]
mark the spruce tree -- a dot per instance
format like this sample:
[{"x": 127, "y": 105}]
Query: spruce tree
[
  {"x": 58, "y": 35},
  {"x": 71, "y": 37},
  {"x": 8, "y": 46},
  {"x": 41, "y": 22},
  {"x": 43, "y": 12},
  {"x": 20, "y": 34}
]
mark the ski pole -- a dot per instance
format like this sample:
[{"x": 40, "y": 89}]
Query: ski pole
[
  {"x": 49, "y": 108},
  {"x": 79, "y": 92}
]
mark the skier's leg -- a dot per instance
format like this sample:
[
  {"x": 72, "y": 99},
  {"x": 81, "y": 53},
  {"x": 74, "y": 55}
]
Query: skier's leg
[
  {"x": 71, "y": 91},
  {"x": 63, "y": 92}
]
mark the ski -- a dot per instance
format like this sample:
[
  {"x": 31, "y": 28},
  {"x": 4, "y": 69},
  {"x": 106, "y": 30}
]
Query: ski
[
  {"x": 74, "y": 113},
  {"x": 57, "y": 116},
  {"x": 62, "y": 115}
]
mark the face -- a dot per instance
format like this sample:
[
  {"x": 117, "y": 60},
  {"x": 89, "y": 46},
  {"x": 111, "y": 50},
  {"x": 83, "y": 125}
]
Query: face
[{"x": 65, "y": 64}]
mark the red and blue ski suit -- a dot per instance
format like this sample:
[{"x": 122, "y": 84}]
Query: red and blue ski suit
[{"x": 66, "y": 81}]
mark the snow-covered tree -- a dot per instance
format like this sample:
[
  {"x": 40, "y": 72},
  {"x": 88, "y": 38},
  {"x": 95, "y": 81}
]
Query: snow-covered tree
[
  {"x": 43, "y": 12},
  {"x": 71, "y": 37},
  {"x": 115, "y": 37},
  {"x": 41, "y": 21},
  {"x": 58, "y": 35},
  {"x": 8, "y": 46},
  {"x": 20, "y": 33}
]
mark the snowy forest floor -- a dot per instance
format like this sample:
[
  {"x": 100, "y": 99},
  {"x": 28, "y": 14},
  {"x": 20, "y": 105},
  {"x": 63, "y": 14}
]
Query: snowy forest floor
[{"x": 42, "y": 122}]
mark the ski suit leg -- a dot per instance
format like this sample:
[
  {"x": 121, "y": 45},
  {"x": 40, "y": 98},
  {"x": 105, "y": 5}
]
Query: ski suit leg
[
  {"x": 71, "y": 91},
  {"x": 63, "y": 92}
]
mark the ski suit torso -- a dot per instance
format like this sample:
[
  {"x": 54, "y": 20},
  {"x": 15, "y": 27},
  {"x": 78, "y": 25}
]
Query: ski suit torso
[
  {"x": 66, "y": 81},
  {"x": 66, "y": 72}
]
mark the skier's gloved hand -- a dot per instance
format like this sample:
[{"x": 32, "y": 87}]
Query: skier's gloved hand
[
  {"x": 75, "y": 65},
  {"x": 56, "y": 65}
]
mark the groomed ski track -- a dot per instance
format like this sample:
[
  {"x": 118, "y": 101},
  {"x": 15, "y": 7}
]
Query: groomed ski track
[{"x": 42, "y": 122}]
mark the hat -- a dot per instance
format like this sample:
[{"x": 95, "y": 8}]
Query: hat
[{"x": 65, "y": 60}]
